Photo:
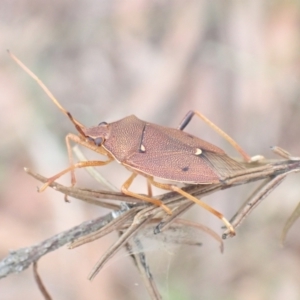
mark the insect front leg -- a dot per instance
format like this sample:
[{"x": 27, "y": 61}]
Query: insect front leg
[
  {"x": 186, "y": 120},
  {"x": 83, "y": 164},
  {"x": 175, "y": 188},
  {"x": 154, "y": 201},
  {"x": 77, "y": 140}
]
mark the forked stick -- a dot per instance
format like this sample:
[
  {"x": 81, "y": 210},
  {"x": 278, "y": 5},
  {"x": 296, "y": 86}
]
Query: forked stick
[
  {"x": 19, "y": 260},
  {"x": 263, "y": 191}
]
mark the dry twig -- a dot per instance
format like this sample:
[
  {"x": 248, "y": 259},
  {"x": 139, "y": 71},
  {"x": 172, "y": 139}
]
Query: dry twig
[{"x": 136, "y": 214}]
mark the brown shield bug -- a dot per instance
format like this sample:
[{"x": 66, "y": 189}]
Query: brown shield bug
[{"x": 153, "y": 151}]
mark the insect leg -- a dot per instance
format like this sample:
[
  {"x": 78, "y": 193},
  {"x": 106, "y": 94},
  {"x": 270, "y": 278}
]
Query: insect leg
[
  {"x": 78, "y": 140},
  {"x": 197, "y": 201},
  {"x": 231, "y": 141},
  {"x": 81, "y": 164},
  {"x": 154, "y": 201},
  {"x": 149, "y": 189}
]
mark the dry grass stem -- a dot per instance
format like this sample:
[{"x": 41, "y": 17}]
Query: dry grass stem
[{"x": 131, "y": 216}]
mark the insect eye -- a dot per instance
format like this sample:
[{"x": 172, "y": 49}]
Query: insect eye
[
  {"x": 102, "y": 123},
  {"x": 98, "y": 141}
]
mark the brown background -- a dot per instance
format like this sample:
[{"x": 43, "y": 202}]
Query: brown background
[{"x": 235, "y": 61}]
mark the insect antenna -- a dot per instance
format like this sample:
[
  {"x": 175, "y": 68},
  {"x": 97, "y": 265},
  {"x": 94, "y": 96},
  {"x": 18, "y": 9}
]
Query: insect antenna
[{"x": 77, "y": 124}]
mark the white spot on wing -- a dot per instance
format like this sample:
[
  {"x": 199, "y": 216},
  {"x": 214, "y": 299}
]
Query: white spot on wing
[{"x": 198, "y": 151}]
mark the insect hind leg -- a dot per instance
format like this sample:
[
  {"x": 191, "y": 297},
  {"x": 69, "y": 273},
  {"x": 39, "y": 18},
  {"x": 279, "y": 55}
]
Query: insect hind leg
[
  {"x": 174, "y": 188},
  {"x": 188, "y": 117},
  {"x": 154, "y": 201}
]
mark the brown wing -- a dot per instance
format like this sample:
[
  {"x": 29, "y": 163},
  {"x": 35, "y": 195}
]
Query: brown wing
[{"x": 175, "y": 155}]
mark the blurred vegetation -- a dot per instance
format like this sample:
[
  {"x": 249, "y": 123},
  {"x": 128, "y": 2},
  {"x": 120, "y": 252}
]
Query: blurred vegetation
[{"x": 237, "y": 62}]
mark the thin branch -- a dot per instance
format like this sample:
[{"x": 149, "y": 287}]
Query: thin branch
[
  {"x": 114, "y": 225},
  {"x": 19, "y": 260},
  {"x": 290, "y": 222},
  {"x": 140, "y": 261},
  {"x": 39, "y": 282},
  {"x": 136, "y": 225},
  {"x": 258, "y": 196}
]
